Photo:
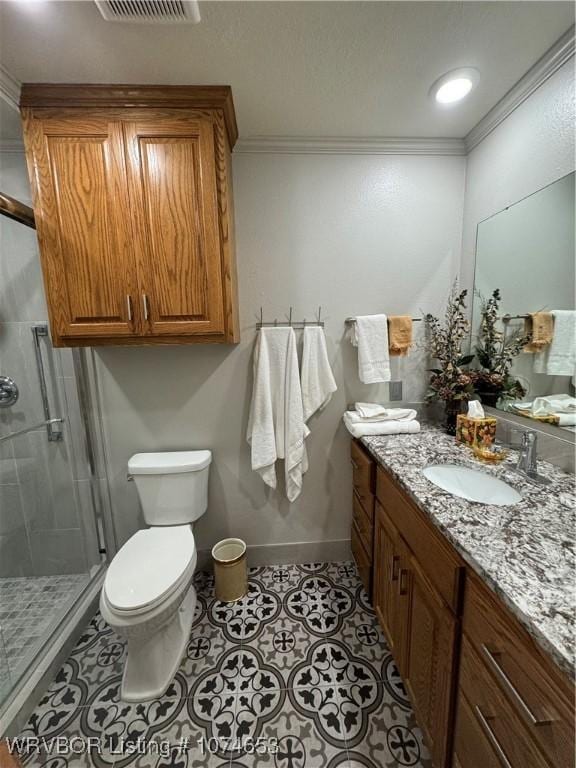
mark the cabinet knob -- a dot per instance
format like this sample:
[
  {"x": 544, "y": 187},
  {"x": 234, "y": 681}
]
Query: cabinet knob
[
  {"x": 146, "y": 306},
  {"x": 129, "y": 307}
]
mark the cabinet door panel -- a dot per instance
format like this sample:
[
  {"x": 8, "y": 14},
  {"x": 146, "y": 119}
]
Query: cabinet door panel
[
  {"x": 172, "y": 176},
  {"x": 387, "y": 562},
  {"x": 81, "y": 202},
  {"x": 428, "y": 667}
]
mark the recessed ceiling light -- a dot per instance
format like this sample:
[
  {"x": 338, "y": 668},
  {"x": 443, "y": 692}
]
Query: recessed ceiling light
[{"x": 455, "y": 85}]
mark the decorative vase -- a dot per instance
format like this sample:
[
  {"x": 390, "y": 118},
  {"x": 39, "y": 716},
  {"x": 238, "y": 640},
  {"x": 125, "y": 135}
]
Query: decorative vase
[{"x": 452, "y": 409}]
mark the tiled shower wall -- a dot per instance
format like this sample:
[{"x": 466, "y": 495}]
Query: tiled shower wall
[{"x": 46, "y": 521}]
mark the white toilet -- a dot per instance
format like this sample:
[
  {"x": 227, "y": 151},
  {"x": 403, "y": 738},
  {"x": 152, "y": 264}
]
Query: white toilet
[{"x": 148, "y": 596}]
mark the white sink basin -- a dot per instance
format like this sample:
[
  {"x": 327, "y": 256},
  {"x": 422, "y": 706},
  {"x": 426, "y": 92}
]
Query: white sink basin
[{"x": 472, "y": 485}]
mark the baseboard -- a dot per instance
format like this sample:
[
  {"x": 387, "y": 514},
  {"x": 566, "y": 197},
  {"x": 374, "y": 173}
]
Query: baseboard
[
  {"x": 25, "y": 698},
  {"x": 282, "y": 554}
]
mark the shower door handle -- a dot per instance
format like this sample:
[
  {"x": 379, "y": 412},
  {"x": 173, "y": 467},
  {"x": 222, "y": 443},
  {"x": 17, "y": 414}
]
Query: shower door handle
[{"x": 52, "y": 425}]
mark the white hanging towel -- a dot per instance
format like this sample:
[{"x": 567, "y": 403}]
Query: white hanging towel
[
  {"x": 370, "y": 334},
  {"x": 562, "y": 350},
  {"x": 318, "y": 383},
  {"x": 276, "y": 427}
]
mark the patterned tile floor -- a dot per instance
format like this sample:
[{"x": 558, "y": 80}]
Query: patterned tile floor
[
  {"x": 296, "y": 675},
  {"x": 28, "y": 607}
]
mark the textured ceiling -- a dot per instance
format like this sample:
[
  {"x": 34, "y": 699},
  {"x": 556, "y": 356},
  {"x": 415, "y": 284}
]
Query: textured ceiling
[{"x": 344, "y": 69}]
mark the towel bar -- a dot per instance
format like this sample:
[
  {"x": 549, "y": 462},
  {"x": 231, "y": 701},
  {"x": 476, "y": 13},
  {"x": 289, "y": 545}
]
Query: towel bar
[
  {"x": 353, "y": 320},
  {"x": 290, "y": 323}
]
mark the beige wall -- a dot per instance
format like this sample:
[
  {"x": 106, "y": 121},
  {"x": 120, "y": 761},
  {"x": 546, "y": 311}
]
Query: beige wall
[{"x": 355, "y": 234}]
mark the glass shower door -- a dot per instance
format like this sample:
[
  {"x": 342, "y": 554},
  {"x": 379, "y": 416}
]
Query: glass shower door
[{"x": 51, "y": 545}]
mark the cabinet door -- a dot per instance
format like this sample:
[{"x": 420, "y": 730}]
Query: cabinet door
[
  {"x": 81, "y": 206},
  {"x": 385, "y": 589},
  {"x": 173, "y": 189},
  {"x": 428, "y": 661}
]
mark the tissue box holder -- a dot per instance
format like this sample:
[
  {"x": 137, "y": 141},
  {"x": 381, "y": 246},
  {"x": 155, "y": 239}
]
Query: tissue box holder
[{"x": 475, "y": 432}]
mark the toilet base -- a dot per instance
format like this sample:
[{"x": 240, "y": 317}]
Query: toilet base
[{"x": 152, "y": 661}]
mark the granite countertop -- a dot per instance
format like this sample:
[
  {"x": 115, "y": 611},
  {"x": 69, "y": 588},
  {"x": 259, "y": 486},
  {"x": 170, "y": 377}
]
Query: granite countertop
[{"x": 523, "y": 552}]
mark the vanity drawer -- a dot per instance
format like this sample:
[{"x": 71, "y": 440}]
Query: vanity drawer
[
  {"x": 488, "y": 730},
  {"x": 363, "y": 471},
  {"x": 442, "y": 565},
  {"x": 363, "y": 561},
  {"x": 472, "y": 749},
  {"x": 364, "y": 524},
  {"x": 534, "y": 689}
]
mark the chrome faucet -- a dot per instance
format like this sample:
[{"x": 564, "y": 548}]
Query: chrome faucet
[
  {"x": 527, "y": 463},
  {"x": 528, "y": 453}
]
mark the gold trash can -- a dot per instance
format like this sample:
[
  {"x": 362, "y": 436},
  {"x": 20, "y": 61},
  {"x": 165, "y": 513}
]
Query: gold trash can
[{"x": 230, "y": 570}]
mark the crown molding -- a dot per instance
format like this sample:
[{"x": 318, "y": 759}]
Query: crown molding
[
  {"x": 9, "y": 89},
  {"x": 328, "y": 145},
  {"x": 11, "y": 145},
  {"x": 544, "y": 68}
]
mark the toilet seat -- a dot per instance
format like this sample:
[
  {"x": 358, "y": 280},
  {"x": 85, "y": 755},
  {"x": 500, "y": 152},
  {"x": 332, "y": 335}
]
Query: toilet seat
[{"x": 150, "y": 566}]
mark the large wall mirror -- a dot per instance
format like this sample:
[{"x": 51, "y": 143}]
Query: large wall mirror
[{"x": 527, "y": 254}]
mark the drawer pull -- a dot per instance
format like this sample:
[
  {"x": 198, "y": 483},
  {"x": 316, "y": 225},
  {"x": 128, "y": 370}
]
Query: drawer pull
[
  {"x": 129, "y": 307},
  {"x": 402, "y": 586},
  {"x": 354, "y": 464},
  {"x": 492, "y": 738},
  {"x": 503, "y": 677},
  {"x": 395, "y": 564}
]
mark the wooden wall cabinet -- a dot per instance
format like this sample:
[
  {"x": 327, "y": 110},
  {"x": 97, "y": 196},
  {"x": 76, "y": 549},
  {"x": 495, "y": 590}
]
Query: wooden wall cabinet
[{"x": 133, "y": 206}]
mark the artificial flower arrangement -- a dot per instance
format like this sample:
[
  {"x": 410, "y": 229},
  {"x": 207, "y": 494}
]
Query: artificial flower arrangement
[
  {"x": 450, "y": 382},
  {"x": 495, "y": 351}
]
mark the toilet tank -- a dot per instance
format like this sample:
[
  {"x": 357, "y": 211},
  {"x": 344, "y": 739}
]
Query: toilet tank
[{"x": 172, "y": 485}]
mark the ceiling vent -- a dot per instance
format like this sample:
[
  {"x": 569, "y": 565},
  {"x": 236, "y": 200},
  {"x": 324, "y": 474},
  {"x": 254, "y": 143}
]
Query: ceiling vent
[{"x": 150, "y": 11}]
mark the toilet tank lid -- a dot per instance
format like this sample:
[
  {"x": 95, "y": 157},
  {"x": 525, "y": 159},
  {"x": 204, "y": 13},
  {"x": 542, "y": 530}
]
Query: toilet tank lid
[{"x": 168, "y": 462}]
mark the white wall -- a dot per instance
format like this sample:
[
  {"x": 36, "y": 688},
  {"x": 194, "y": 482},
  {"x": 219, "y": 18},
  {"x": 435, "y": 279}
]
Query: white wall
[
  {"x": 532, "y": 148},
  {"x": 355, "y": 234}
]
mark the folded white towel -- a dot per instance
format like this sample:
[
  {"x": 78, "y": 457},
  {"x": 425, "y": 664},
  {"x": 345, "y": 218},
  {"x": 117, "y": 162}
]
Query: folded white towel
[
  {"x": 381, "y": 428},
  {"x": 559, "y": 358},
  {"x": 370, "y": 410},
  {"x": 370, "y": 334},
  {"x": 543, "y": 406},
  {"x": 392, "y": 414},
  {"x": 317, "y": 380},
  {"x": 276, "y": 427}
]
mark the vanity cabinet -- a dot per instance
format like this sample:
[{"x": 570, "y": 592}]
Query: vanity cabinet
[
  {"x": 133, "y": 207},
  {"x": 363, "y": 498},
  {"x": 484, "y": 693},
  {"x": 419, "y": 624},
  {"x": 509, "y": 692}
]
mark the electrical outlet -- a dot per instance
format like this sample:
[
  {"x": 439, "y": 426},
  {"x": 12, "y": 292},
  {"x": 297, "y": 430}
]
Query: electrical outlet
[{"x": 395, "y": 390}]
